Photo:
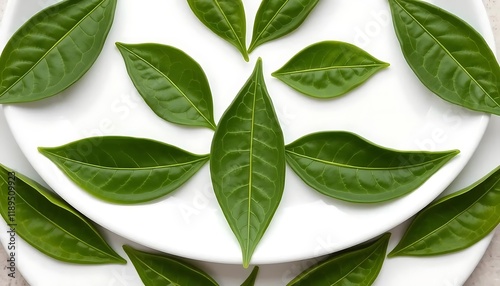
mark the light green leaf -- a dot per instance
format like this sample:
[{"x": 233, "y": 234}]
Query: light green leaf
[{"x": 329, "y": 69}]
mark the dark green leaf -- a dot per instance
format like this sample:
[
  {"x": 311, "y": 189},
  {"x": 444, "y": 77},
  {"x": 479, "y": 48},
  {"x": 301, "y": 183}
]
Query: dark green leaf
[
  {"x": 359, "y": 266},
  {"x": 226, "y": 18},
  {"x": 49, "y": 224},
  {"x": 455, "y": 222},
  {"x": 124, "y": 169},
  {"x": 252, "y": 278},
  {"x": 54, "y": 49},
  {"x": 277, "y": 18},
  {"x": 447, "y": 55},
  {"x": 329, "y": 69},
  {"x": 248, "y": 165},
  {"x": 171, "y": 83},
  {"x": 161, "y": 270},
  {"x": 345, "y": 166}
]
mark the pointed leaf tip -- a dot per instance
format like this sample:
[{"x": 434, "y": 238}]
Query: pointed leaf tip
[
  {"x": 454, "y": 222},
  {"x": 253, "y": 144},
  {"x": 363, "y": 172},
  {"x": 329, "y": 69},
  {"x": 54, "y": 227},
  {"x": 126, "y": 170},
  {"x": 164, "y": 74}
]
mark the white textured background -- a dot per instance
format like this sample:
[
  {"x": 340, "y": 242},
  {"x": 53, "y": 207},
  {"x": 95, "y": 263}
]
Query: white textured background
[{"x": 488, "y": 270}]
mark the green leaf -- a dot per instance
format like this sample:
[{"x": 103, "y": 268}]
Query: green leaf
[
  {"x": 277, "y": 18},
  {"x": 49, "y": 224},
  {"x": 171, "y": 82},
  {"x": 454, "y": 222},
  {"x": 447, "y": 55},
  {"x": 357, "y": 266},
  {"x": 54, "y": 49},
  {"x": 161, "y": 270},
  {"x": 329, "y": 69},
  {"x": 124, "y": 169},
  {"x": 345, "y": 166},
  {"x": 226, "y": 18},
  {"x": 248, "y": 165},
  {"x": 250, "y": 281}
]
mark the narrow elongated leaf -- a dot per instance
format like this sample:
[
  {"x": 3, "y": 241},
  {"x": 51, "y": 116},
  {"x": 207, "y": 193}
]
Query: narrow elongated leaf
[
  {"x": 124, "y": 169},
  {"x": 358, "y": 266},
  {"x": 277, "y": 18},
  {"x": 161, "y": 270},
  {"x": 345, "y": 166},
  {"x": 248, "y": 165},
  {"x": 226, "y": 18},
  {"x": 250, "y": 281},
  {"x": 54, "y": 49},
  {"x": 447, "y": 55},
  {"x": 455, "y": 222},
  {"x": 329, "y": 69},
  {"x": 171, "y": 82},
  {"x": 49, "y": 224}
]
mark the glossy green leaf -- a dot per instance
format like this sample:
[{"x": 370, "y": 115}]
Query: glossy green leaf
[
  {"x": 226, "y": 18},
  {"x": 329, "y": 69},
  {"x": 161, "y": 270},
  {"x": 277, "y": 18},
  {"x": 171, "y": 82},
  {"x": 448, "y": 55},
  {"x": 49, "y": 224},
  {"x": 250, "y": 281},
  {"x": 124, "y": 169},
  {"x": 454, "y": 222},
  {"x": 248, "y": 163},
  {"x": 54, "y": 49},
  {"x": 345, "y": 166},
  {"x": 358, "y": 266}
]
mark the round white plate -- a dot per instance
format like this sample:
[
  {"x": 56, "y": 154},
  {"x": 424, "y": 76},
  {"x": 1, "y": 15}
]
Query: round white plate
[
  {"x": 392, "y": 109},
  {"x": 445, "y": 270}
]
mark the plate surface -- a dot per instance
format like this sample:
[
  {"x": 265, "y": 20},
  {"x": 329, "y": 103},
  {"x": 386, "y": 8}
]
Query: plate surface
[
  {"x": 392, "y": 109},
  {"x": 446, "y": 270}
]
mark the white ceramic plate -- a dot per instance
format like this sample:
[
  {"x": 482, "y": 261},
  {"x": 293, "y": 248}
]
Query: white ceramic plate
[
  {"x": 446, "y": 270},
  {"x": 392, "y": 109}
]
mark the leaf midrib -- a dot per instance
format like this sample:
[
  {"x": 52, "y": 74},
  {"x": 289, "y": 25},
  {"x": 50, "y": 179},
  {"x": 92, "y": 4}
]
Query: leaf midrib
[
  {"x": 259, "y": 35},
  {"x": 357, "y": 265},
  {"x": 65, "y": 231},
  {"x": 250, "y": 181},
  {"x": 448, "y": 222},
  {"x": 230, "y": 26},
  {"x": 62, "y": 158},
  {"x": 311, "y": 70},
  {"x": 448, "y": 53},
  {"x": 152, "y": 269},
  {"x": 360, "y": 167},
  {"x": 52, "y": 48},
  {"x": 319, "y": 266},
  {"x": 172, "y": 83},
  {"x": 176, "y": 262}
]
